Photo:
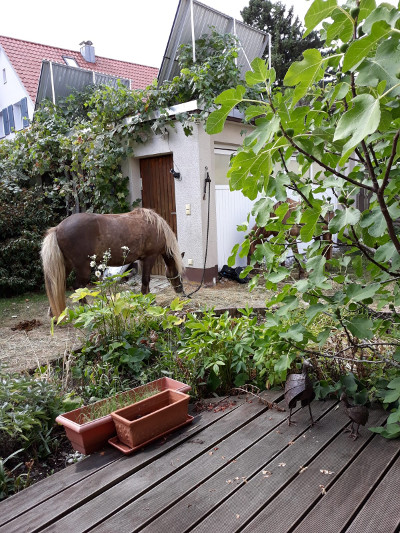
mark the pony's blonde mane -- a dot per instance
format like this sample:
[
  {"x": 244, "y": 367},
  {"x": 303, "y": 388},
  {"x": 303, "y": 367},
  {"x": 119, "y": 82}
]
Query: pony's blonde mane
[
  {"x": 163, "y": 228},
  {"x": 54, "y": 272}
]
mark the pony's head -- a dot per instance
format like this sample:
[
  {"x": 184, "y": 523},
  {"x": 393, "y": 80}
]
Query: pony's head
[{"x": 174, "y": 274}]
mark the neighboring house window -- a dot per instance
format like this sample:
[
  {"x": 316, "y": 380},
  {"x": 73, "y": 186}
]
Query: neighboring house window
[
  {"x": 4, "y": 76},
  {"x": 21, "y": 115},
  {"x": 11, "y": 117},
  {"x": 70, "y": 61}
]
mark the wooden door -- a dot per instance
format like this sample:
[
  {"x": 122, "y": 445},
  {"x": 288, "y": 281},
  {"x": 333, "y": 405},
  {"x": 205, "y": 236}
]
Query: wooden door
[{"x": 158, "y": 193}]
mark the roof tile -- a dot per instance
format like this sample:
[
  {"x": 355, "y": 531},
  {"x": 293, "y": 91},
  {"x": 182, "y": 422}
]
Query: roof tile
[{"x": 26, "y": 58}]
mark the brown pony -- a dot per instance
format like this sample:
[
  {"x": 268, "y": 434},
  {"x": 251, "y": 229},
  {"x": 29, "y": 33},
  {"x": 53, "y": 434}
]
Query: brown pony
[
  {"x": 260, "y": 235},
  {"x": 70, "y": 245}
]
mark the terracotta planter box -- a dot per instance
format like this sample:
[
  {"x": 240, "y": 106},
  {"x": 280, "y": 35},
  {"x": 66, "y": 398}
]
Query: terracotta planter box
[
  {"x": 149, "y": 419},
  {"x": 88, "y": 437}
]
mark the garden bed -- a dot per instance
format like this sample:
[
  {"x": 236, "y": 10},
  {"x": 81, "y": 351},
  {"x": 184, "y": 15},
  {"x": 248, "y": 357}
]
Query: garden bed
[{"x": 22, "y": 349}]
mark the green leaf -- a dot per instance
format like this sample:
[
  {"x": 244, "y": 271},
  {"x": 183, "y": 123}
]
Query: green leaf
[
  {"x": 304, "y": 73},
  {"x": 390, "y": 396},
  {"x": 360, "y": 48},
  {"x": 361, "y": 327},
  {"x": 395, "y": 384},
  {"x": 349, "y": 383},
  {"x": 384, "y": 66},
  {"x": 366, "y": 6},
  {"x": 358, "y": 293},
  {"x": 384, "y": 12},
  {"x": 262, "y": 211},
  {"x": 394, "y": 417},
  {"x": 343, "y": 217},
  {"x": 265, "y": 129},
  {"x": 228, "y": 100},
  {"x": 246, "y": 167},
  {"x": 314, "y": 310},
  {"x": 295, "y": 333},
  {"x": 385, "y": 252},
  {"x": 283, "y": 363},
  {"x": 259, "y": 72},
  {"x": 358, "y": 122},
  {"x": 277, "y": 276},
  {"x": 309, "y": 219},
  {"x": 342, "y": 27},
  {"x": 392, "y": 431},
  {"x": 375, "y": 222},
  {"x": 318, "y": 11}
]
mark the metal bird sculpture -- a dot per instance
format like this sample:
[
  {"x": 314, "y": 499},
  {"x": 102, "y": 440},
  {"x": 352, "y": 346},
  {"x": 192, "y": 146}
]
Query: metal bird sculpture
[
  {"x": 358, "y": 414},
  {"x": 299, "y": 387}
]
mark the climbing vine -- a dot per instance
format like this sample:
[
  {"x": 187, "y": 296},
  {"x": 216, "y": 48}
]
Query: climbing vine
[{"x": 75, "y": 149}]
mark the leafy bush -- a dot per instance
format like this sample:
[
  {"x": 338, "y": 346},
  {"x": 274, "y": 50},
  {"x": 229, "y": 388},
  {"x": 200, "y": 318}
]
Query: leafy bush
[
  {"x": 24, "y": 217},
  {"x": 28, "y": 409},
  {"x": 122, "y": 331}
]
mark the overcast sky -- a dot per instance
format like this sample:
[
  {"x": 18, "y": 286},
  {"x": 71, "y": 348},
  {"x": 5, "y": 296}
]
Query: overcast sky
[{"x": 130, "y": 30}]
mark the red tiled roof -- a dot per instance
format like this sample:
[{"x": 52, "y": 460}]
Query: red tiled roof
[{"x": 26, "y": 58}]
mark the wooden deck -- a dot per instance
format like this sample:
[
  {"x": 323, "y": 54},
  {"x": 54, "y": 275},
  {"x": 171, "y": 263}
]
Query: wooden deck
[{"x": 237, "y": 467}]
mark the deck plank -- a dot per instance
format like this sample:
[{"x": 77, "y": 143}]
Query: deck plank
[
  {"x": 80, "y": 494},
  {"x": 236, "y": 468},
  {"x": 274, "y": 475},
  {"x": 36, "y": 494},
  {"x": 381, "y": 512},
  {"x": 307, "y": 488},
  {"x": 171, "y": 465},
  {"x": 202, "y": 499},
  {"x": 77, "y": 483},
  {"x": 356, "y": 483}
]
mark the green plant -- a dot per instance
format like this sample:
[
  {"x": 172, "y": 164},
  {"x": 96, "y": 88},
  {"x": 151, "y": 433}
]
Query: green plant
[
  {"x": 24, "y": 217},
  {"x": 230, "y": 351},
  {"x": 122, "y": 327},
  {"x": 28, "y": 408},
  {"x": 9, "y": 482},
  {"x": 112, "y": 403},
  {"x": 389, "y": 394},
  {"x": 347, "y": 131}
]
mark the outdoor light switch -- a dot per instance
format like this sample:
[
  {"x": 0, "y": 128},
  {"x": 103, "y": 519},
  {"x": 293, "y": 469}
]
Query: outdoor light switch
[{"x": 188, "y": 209}]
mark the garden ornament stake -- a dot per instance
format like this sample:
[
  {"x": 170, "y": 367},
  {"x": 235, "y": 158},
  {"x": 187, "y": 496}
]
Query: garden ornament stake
[
  {"x": 358, "y": 414},
  {"x": 299, "y": 387}
]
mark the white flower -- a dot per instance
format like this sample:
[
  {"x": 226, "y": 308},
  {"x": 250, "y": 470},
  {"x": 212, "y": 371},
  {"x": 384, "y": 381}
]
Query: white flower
[
  {"x": 92, "y": 257},
  {"x": 98, "y": 273},
  {"x": 102, "y": 266},
  {"x": 125, "y": 248},
  {"x": 92, "y": 264}
]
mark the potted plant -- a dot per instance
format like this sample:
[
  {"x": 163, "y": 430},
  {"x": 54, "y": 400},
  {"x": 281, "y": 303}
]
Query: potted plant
[
  {"x": 151, "y": 418},
  {"x": 89, "y": 427}
]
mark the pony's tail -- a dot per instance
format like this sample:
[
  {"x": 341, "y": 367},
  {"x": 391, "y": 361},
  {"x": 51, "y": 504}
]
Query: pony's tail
[{"x": 54, "y": 272}]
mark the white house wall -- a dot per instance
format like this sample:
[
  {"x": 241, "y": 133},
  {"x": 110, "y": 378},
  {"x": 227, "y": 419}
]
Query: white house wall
[
  {"x": 191, "y": 156},
  {"x": 12, "y": 92}
]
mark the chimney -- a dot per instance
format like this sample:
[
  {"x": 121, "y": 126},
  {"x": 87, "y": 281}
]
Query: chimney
[{"x": 87, "y": 51}]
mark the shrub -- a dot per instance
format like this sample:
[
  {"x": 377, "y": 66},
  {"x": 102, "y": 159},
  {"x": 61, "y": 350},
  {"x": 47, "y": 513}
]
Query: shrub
[{"x": 24, "y": 217}]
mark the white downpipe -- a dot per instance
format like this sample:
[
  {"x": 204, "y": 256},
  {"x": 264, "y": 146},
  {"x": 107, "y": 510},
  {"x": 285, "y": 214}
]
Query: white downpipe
[
  {"x": 53, "y": 94},
  {"x": 269, "y": 51},
  {"x": 192, "y": 24}
]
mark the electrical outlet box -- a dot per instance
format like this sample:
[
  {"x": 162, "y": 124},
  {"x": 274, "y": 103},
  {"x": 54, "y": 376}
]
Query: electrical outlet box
[
  {"x": 190, "y": 262},
  {"x": 188, "y": 209}
]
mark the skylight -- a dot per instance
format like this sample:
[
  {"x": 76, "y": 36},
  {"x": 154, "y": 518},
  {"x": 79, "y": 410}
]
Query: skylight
[{"x": 70, "y": 61}]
